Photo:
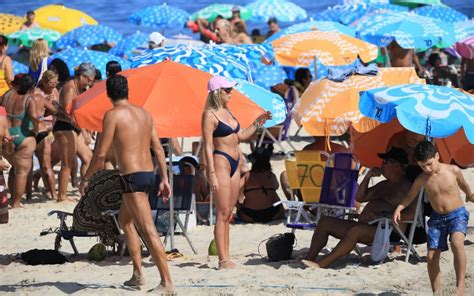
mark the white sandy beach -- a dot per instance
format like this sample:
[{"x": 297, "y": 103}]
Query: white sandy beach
[{"x": 197, "y": 274}]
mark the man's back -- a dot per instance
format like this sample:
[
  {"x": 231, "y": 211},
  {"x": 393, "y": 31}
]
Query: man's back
[{"x": 132, "y": 138}]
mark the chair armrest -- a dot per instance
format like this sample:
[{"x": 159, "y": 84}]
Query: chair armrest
[
  {"x": 110, "y": 212},
  {"x": 59, "y": 213}
]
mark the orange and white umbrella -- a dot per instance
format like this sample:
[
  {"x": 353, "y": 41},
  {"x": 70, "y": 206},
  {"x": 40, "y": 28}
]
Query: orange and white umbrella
[
  {"x": 328, "y": 108},
  {"x": 330, "y": 48}
]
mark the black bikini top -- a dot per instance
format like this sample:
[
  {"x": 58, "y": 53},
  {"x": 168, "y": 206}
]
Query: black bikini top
[{"x": 223, "y": 129}]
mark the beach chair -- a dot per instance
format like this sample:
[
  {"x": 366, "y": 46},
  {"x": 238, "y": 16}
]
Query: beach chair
[
  {"x": 336, "y": 189},
  {"x": 183, "y": 200},
  {"x": 281, "y": 131}
]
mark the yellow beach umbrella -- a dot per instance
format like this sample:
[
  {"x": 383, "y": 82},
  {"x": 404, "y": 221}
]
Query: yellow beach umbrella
[
  {"x": 330, "y": 48},
  {"x": 328, "y": 108},
  {"x": 9, "y": 23},
  {"x": 62, "y": 19}
]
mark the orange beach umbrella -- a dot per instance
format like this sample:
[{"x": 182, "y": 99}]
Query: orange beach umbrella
[
  {"x": 328, "y": 108},
  {"x": 330, "y": 48},
  {"x": 174, "y": 94}
]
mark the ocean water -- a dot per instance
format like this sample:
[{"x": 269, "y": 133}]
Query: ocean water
[{"x": 114, "y": 13}]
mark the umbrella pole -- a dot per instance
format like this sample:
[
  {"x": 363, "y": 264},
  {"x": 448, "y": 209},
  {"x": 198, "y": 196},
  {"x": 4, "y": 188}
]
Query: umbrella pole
[
  {"x": 171, "y": 199},
  {"x": 315, "y": 70},
  {"x": 388, "y": 64}
]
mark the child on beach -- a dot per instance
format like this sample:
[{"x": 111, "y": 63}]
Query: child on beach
[{"x": 442, "y": 183}]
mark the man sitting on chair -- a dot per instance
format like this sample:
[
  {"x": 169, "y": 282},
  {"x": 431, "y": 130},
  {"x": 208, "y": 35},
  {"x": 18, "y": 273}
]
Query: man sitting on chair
[{"x": 382, "y": 199}]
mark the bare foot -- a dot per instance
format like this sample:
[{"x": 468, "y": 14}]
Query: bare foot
[
  {"x": 310, "y": 264},
  {"x": 17, "y": 205},
  {"x": 66, "y": 199},
  {"x": 164, "y": 289},
  {"x": 227, "y": 264},
  {"x": 135, "y": 281}
]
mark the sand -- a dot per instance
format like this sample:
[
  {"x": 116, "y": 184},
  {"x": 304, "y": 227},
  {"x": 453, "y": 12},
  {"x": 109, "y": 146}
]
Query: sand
[{"x": 197, "y": 274}]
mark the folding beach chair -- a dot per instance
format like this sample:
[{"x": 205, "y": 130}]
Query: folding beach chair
[
  {"x": 282, "y": 130},
  {"x": 183, "y": 199}
]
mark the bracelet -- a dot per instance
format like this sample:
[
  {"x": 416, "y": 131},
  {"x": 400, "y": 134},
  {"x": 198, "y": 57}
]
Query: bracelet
[{"x": 257, "y": 124}]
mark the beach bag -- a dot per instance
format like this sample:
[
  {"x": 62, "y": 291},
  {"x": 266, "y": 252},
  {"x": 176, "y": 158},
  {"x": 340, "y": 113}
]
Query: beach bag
[
  {"x": 280, "y": 246},
  {"x": 381, "y": 243}
]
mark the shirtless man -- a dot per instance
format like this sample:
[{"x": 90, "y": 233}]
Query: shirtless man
[
  {"x": 131, "y": 144},
  {"x": 449, "y": 217},
  {"x": 382, "y": 197},
  {"x": 402, "y": 57},
  {"x": 225, "y": 34},
  {"x": 30, "y": 21}
]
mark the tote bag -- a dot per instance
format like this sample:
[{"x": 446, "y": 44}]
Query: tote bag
[{"x": 381, "y": 243}]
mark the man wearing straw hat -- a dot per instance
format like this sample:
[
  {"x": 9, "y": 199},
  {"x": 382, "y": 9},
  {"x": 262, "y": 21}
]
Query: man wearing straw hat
[{"x": 137, "y": 176}]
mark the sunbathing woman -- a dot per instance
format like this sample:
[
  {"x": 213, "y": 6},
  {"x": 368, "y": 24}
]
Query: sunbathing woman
[
  {"x": 23, "y": 117},
  {"x": 68, "y": 135},
  {"x": 46, "y": 101},
  {"x": 221, "y": 135},
  {"x": 260, "y": 190}
]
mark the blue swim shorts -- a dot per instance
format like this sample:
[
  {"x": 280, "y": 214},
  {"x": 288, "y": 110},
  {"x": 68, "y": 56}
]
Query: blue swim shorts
[{"x": 440, "y": 226}]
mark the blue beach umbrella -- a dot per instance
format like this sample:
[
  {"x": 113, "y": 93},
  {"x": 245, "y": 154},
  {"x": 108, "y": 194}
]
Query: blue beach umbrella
[
  {"x": 250, "y": 54},
  {"x": 88, "y": 35},
  {"x": 313, "y": 25},
  {"x": 19, "y": 67},
  {"x": 267, "y": 76},
  {"x": 441, "y": 12},
  {"x": 267, "y": 100},
  {"x": 348, "y": 13},
  {"x": 284, "y": 11},
  {"x": 127, "y": 44},
  {"x": 73, "y": 57},
  {"x": 196, "y": 57},
  {"x": 160, "y": 16},
  {"x": 407, "y": 29},
  {"x": 435, "y": 111},
  {"x": 464, "y": 29}
]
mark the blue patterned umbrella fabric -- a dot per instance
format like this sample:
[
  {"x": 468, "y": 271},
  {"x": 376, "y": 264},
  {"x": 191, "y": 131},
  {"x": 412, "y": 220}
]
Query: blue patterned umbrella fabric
[
  {"x": 464, "y": 29},
  {"x": 88, "y": 35},
  {"x": 347, "y": 14},
  {"x": 250, "y": 54},
  {"x": 125, "y": 46},
  {"x": 160, "y": 16},
  {"x": 75, "y": 56},
  {"x": 267, "y": 100},
  {"x": 267, "y": 76},
  {"x": 284, "y": 11},
  {"x": 19, "y": 67},
  {"x": 441, "y": 12},
  {"x": 407, "y": 29},
  {"x": 435, "y": 111},
  {"x": 196, "y": 57},
  {"x": 313, "y": 25}
]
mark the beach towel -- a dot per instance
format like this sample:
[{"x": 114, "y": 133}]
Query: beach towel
[
  {"x": 339, "y": 75},
  {"x": 43, "y": 257},
  {"x": 381, "y": 243}
]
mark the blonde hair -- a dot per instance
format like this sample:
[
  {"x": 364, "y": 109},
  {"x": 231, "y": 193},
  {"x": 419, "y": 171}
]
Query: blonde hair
[
  {"x": 38, "y": 52},
  {"x": 214, "y": 101},
  {"x": 47, "y": 77}
]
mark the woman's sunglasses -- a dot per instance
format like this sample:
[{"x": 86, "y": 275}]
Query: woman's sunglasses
[{"x": 228, "y": 90}]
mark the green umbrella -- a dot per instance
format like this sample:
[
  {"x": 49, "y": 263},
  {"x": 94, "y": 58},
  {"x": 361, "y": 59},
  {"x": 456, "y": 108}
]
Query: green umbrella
[
  {"x": 416, "y": 3},
  {"x": 212, "y": 11},
  {"x": 27, "y": 37}
]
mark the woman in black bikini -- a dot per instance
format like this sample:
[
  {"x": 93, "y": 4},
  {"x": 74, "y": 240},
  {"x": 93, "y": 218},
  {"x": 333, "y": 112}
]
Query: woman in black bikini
[
  {"x": 46, "y": 98},
  {"x": 69, "y": 136},
  {"x": 260, "y": 190},
  {"x": 221, "y": 136}
]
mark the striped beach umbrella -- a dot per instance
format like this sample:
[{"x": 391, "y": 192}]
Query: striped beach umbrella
[
  {"x": 127, "y": 44},
  {"x": 88, "y": 35},
  {"x": 441, "y": 12},
  {"x": 465, "y": 48},
  {"x": 27, "y": 37},
  {"x": 250, "y": 54},
  {"x": 326, "y": 26},
  {"x": 160, "y": 16},
  {"x": 9, "y": 23},
  {"x": 284, "y": 11},
  {"x": 73, "y": 57},
  {"x": 212, "y": 11},
  {"x": 432, "y": 110},
  {"x": 407, "y": 29},
  {"x": 61, "y": 18},
  {"x": 330, "y": 48},
  {"x": 349, "y": 13},
  {"x": 196, "y": 57}
]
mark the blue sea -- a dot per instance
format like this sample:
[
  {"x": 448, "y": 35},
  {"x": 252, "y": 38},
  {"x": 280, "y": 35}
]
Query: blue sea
[{"x": 115, "y": 13}]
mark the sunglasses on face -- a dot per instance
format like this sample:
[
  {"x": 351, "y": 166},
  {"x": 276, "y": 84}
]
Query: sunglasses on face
[
  {"x": 228, "y": 90},
  {"x": 385, "y": 161}
]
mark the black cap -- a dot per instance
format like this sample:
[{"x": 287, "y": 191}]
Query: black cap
[{"x": 395, "y": 153}]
